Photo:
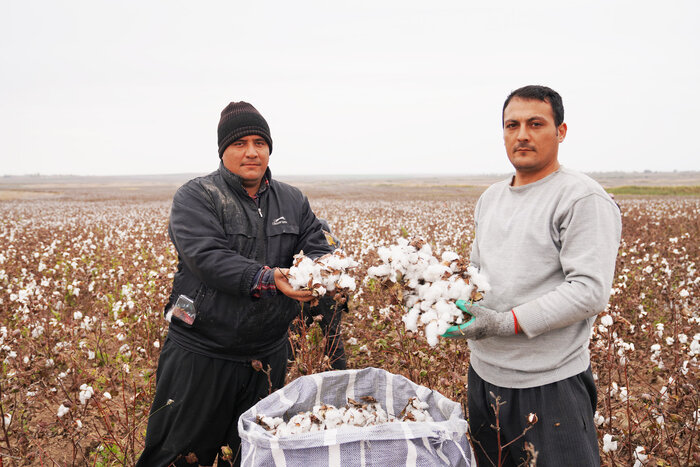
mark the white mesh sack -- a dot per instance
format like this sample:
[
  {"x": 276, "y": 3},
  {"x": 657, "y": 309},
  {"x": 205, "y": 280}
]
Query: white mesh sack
[{"x": 411, "y": 443}]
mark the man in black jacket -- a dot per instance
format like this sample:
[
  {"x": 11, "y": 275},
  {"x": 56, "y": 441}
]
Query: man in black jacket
[{"x": 235, "y": 230}]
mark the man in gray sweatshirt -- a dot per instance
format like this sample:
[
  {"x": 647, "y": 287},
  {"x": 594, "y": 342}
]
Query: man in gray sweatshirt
[{"x": 547, "y": 240}]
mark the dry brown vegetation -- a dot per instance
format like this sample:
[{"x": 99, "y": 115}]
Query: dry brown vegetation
[{"x": 85, "y": 272}]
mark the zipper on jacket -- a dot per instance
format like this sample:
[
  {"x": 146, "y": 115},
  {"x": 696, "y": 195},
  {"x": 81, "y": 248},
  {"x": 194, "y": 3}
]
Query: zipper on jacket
[{"x": 260, "y": 212}]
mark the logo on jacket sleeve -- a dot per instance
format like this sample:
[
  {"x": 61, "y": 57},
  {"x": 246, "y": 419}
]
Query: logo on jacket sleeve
[{"x": 279, "y": 220}]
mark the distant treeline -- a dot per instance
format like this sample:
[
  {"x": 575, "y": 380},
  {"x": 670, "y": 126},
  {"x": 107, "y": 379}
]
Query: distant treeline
[{"x": 692, "y": 190}]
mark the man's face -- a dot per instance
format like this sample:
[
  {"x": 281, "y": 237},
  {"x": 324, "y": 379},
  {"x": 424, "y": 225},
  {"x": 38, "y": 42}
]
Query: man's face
[
  {"x": 248, "y": 157},
  {"x": 532, "y": 138}
]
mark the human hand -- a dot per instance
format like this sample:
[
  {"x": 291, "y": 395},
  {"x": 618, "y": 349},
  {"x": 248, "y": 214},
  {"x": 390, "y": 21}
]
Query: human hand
[
  {"x": 457, "y": 330},
  {"x": 283, "y": 285},
  {"x": 486, "y": 323}
]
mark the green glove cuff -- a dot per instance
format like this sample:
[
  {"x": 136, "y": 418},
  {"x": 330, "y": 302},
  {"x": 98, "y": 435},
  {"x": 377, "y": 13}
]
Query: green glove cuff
[{"x": 458, "y": 330}]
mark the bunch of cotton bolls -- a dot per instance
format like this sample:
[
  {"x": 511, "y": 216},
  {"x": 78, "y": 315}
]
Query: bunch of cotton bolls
[
  {"x": 415, "y": 411},
  {"x": 358, "y": 414},
  {"x": 327, "y": 273},
  {"x": 430, "y": 286}
]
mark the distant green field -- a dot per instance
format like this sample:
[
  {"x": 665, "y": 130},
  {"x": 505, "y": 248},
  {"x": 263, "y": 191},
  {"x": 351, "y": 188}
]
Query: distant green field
[{"x": 693, "y": 190}]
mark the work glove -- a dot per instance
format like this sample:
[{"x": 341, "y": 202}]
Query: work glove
[{"x": 485, "y": 323}]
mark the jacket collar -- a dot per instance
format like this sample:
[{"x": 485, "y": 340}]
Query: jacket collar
[{"x": 234, "y": 181}]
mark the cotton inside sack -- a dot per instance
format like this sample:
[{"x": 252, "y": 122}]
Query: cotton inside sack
[{"x": 440, "y": 442}]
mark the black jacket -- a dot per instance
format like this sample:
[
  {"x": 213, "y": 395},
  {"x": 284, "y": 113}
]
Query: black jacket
[{"x": 223, "y": 238}]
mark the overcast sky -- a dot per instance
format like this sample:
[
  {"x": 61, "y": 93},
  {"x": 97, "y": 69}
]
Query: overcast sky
[{"x": 361, "y": 87}]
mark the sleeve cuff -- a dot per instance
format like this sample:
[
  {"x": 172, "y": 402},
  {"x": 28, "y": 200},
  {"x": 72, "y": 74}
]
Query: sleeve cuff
[
  {"x": 531, "y": 322},
  {"x": 263, "y": 285}
]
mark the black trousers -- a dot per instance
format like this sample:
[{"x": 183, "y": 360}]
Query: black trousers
[
  {"x": 208, "y": 396},
  {"x": 565, "y": 433}
]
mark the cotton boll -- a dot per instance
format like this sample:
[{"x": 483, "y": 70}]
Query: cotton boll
[
  {"x": 299, "y": 277},
  {"x": 431, "y": 334},
  {"x": 420, "y": 290},
  {"x": 410, "y": 318},
  {"x": 442, "y": 326},
  {"x": 379, "y": 271},
  {"x": 86, "y": 393},
  {"x": 315, "y": 427},
  {"x": 640, "y": 456},
  {"x": 438, "y": 290},
  {"x": 412, "y": 257},
  {"x": 333, "y": 418},
  {"x": 272, "y": 422},
  {"x": 478, "y": 279},
  {"x": 445, "y": 315},
  {"x": 62, "y": 410},
  {"x": 410, "y": 300},
  {"x": 380, "y": 414},
  {"x": 384, "y": 254},
  {"x": 299, "y": 423},
  {"x": 435, "y": 271},
  {"x": 346, "y": 282},
  {"x": 606, "y": 320},
  {"x": 360, "y": 417},
  {"x": 416, "y": 410},
  {"x": 349, "y": 416},
  {"x": 403, "y": 262},
  {"x": 281, "y": 431},
  {"x": 429, "y": 316},
  {"x": 449, "y": 256},
  {"x": 426, "y": 250},
  {"x": 609, "y": 444},
  {"x": 459, "y": 289}
]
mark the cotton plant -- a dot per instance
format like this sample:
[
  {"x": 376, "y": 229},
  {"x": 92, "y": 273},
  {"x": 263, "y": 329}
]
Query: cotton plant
[
  {"x": 363, "y": 413},
  {"x": 326, "y": 274},
  {"x": 609, "y": 445},
  {"x": 429, "y": 286}
]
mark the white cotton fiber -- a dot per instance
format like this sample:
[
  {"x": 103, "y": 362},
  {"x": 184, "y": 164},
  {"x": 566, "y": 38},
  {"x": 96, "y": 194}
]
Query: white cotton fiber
[
  {"x": 327, "y": 273},
  {"x": 431, "y": 285},
  {"x": 449, "y": 256},
  {"x": 478, "y": 279}
]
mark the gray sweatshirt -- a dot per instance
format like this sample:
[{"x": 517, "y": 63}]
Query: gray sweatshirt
[{"x": 548, "y": 250}]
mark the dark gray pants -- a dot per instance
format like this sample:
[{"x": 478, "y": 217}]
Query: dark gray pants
[
  {"x": 209, "y": 395},
  {"x": 565, "y": 433}
]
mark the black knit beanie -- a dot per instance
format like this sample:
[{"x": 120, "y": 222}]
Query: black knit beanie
[{"x": 241, "y": 119}]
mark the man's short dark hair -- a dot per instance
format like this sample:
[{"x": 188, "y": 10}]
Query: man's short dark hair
[{"x": 540, "y": 93}]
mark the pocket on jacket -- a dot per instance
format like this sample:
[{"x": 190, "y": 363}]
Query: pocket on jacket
[
  {"x": 186, "y": 284},
  {"x": 281, "y": 240},
  {"x": 203, "y": 300},
  {"x": 240, "y": 240}
]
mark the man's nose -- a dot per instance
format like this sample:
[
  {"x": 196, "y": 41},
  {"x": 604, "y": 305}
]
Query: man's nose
[
  {"x": 250, "y": 150},
  {"x": 523, "y": 134}
]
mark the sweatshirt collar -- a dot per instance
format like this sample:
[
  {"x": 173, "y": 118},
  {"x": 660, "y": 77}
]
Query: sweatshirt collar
[{"x": 539, "y": 182}]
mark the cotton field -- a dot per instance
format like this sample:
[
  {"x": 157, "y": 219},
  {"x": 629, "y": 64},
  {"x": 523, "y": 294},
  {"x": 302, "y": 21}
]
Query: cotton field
[{"x": 83, "y": 283}]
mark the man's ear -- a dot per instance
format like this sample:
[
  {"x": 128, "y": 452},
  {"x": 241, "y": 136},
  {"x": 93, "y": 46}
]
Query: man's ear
[{"x": 561, "y": 132}]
